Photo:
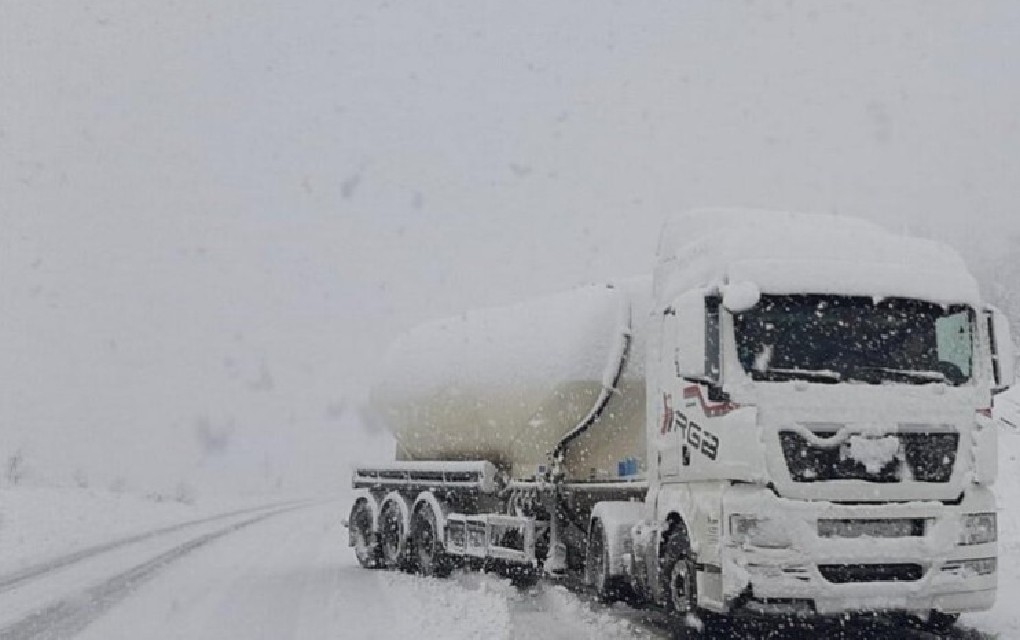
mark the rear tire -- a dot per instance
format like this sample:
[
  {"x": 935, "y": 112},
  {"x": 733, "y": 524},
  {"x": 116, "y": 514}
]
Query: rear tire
[
  {"x": 608, "y": 588},
  {"x": 365, "y": 542},
  {"x": 392, "y": 538},
  {"x": 429, "y": 552}
]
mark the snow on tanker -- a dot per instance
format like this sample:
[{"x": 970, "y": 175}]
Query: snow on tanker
[{"x": 790, "y": 417}]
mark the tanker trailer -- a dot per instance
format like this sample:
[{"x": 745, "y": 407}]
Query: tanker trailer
[{"x": 490, "y": 412}]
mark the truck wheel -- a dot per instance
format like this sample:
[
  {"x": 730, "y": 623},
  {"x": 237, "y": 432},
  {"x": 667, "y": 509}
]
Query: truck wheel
[
  {"x": 392, "y": 536},
  {"x": 429, "y": 553},
  {"x": 524, "y": 577},
  {"x": 680, "y": 588},
  {"x": 366, "y": 548},
  {"x": 608, "y": 588},
  {"x": 940, "y": 622}
]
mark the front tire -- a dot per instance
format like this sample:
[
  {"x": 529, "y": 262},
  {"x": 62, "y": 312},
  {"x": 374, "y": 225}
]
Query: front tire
[
  {"x": 940, "y": 622},
  {"x": 680, "y": 587}
]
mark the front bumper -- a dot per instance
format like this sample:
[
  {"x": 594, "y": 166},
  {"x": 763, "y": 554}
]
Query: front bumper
[{"x": 819, "y": 575}]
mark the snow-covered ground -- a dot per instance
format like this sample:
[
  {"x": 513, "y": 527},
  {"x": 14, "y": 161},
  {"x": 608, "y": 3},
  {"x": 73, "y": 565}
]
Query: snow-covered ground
[
  {"x": 289, "y": 578},
  {"x": 287, "y": 573},
  {"x": 281, "y": 574},
  {"x": 40, "y": 523}
]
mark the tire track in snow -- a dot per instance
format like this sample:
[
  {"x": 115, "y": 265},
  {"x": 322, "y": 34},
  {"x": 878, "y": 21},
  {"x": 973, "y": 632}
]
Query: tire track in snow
[
  {"x": 70, "y": 615},
  {"x": 21, "y": 576}
]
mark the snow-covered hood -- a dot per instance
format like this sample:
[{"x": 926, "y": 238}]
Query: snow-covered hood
[{"x": 863, "y": 442}]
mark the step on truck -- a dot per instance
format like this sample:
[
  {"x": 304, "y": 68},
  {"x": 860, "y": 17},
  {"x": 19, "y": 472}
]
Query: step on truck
[{"x": 790, "y": 417}]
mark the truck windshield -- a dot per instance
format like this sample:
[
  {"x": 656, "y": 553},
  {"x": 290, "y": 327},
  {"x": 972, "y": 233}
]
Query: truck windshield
[{"x": 829, "y": 339}]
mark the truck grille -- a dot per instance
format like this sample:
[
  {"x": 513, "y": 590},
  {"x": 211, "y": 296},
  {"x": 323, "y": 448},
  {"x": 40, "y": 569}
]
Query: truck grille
[
  {"x": 929, "y": 457},
  {"x": 871, "y": 527},
  {"x": 844, "y": 573}
]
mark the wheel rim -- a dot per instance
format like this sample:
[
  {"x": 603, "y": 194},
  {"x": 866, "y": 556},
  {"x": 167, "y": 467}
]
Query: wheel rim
[{"x": 680, "y": 587}]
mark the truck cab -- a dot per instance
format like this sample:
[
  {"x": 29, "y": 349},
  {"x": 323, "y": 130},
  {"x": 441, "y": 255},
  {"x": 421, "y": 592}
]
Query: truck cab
[{"x": 818, "y": 423}]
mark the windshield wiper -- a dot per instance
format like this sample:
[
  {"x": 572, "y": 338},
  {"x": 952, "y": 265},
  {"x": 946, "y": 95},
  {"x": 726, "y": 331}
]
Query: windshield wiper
[
  {"x": 824, "y": 375},
  {"x": 913, "y": 374}
]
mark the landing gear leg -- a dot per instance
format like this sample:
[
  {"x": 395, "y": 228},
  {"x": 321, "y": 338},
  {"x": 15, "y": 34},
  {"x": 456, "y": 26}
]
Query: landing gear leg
[{"x": 556, "y": 562}]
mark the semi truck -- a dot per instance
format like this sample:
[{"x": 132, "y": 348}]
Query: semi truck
[{"x": 791, "y": 416}]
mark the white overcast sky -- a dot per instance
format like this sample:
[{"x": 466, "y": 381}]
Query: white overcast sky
[{"x": 220, "y": 212}]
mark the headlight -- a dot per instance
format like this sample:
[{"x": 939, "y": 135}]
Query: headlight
[
  {"x": 758, "y": 531},
  {"x": 979, "y": 528},
  {"x": 971, "y": 568}
]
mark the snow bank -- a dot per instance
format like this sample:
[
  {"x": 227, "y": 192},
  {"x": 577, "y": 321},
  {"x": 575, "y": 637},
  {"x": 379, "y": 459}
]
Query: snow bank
[
  {"x": 476, "y": 606},
  {"x": 786, "y": 252},
  {"x": 438, "y": 609},
  {"x": 554, "y": 611}
]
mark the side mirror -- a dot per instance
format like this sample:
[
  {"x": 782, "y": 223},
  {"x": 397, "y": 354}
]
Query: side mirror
[{"x": 1001, "y": 340}]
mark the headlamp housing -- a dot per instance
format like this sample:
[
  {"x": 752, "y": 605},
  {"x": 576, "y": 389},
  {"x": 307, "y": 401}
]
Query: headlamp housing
[
  {"x": 979, "y": 528},
  {"x": 758, "y": 531}
]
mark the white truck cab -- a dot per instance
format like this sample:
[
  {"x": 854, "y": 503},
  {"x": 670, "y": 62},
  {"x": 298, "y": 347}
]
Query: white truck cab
[{"x": 818, "y": 422}]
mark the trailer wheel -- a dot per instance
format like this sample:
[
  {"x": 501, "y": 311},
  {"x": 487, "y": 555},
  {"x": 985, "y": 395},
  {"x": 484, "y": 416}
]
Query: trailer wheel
[
  {"x": 392, "y": 536},
  {"x": 680, "y": 588},
  {"x": 608, "y": 588},
  {"x": 363, "y": 539},
  {"x": 429, "y": 554}
]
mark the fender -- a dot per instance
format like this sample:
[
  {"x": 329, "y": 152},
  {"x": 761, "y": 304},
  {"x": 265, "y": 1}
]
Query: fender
[
  {"x": 699, "y": 506},
  {"x": 675, "y": 499}
]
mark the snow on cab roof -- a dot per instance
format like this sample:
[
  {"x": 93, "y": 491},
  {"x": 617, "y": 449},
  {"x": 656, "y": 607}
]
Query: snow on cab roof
[{"x": 787, "y": 252}]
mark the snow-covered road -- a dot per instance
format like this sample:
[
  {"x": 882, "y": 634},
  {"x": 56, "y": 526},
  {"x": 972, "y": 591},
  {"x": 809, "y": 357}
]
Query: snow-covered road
[
  {"x": 285, "y": 573},
  {"x": 275, "y": 573},
  {"x": 291, "y": 576}
]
